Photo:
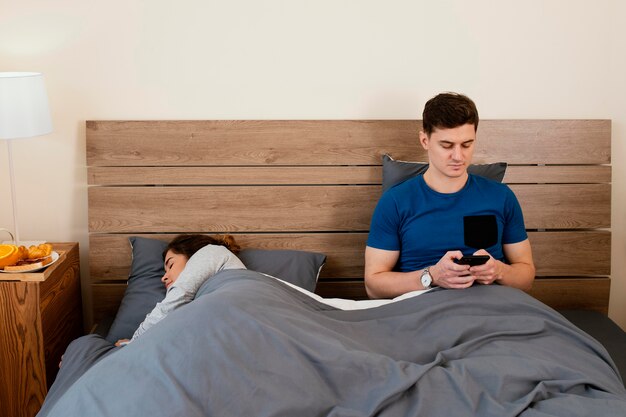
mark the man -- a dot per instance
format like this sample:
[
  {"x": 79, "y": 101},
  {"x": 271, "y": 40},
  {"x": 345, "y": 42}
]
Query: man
[{"x": 420, "y": 227}]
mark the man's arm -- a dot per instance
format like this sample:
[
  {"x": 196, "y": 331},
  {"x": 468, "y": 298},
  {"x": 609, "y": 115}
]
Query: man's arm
[
  {"x": 382, "y": 282},
  {"x": 519, "y": 273},
  {"x": 380, "y": 279}
]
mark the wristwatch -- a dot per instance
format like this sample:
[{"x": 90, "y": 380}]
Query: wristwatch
[{"x": 426, "y": 279}]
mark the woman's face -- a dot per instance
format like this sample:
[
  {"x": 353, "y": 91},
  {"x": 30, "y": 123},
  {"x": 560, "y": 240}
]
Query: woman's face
[{"x": 174, "y": 265}]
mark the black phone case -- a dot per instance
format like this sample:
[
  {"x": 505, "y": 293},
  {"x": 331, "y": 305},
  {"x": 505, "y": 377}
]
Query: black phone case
[{"x": 472, "y": 260}]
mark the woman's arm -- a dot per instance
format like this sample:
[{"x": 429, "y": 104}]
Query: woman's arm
[{"x": 205, "y": 263}]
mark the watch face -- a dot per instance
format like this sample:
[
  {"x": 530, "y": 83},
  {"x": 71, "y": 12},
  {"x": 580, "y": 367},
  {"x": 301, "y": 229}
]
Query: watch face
[{"x": 426, "y": 280}]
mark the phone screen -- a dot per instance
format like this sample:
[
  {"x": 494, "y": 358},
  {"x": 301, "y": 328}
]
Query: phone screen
[{"x": 472, "y": 260}]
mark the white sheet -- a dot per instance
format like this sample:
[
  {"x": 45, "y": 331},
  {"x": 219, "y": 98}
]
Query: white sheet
[{"x": 346, "y": 304}]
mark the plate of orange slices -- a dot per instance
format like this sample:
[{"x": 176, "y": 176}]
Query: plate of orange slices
[{"x": 18, "y": 259}]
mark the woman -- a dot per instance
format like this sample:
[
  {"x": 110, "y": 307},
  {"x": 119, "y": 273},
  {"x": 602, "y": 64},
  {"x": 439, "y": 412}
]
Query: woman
[{"x": 189, "y": 260}]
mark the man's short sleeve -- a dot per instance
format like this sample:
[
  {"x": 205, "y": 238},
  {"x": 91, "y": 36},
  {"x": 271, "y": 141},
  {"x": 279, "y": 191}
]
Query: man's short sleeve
[
  {"x": 514, "y": 228},
  {"x": 384, "y": 233}
]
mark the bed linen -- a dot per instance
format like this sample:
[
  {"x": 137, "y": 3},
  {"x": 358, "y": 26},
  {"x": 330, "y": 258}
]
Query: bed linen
[{"x": 249, "y": 345}]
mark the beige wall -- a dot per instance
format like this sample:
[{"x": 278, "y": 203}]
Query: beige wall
[{"x": 248, "y": 59}]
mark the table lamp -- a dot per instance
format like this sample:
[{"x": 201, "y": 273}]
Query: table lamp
[{"x": 24, "y": 113}]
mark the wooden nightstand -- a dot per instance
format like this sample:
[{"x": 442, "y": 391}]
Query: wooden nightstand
[{"x": 40, "y": 314}]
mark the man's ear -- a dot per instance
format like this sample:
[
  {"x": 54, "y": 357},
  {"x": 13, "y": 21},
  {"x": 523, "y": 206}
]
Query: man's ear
[{"x": 423, "y": 139}]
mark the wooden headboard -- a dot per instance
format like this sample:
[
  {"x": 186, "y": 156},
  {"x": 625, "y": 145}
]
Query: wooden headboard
[{"x": 313, "y": 185}]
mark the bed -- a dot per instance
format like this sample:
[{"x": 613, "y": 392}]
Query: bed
[{"x": 293, "y": 334}]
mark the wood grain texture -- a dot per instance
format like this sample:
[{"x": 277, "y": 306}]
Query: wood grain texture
[
  {"x": 258, "y": 175},
  {"x": 249, "y": 142},
  {"x": 581, "y": 253},
  {"x": 574, "y": 293},
  {"x": 334, "y": 142},
  {"x": 38, "y": 320},
  {"x": 231, "y": 209},
  {"x": 312, "y": 208},
  {"x": 558, "y": 174},
  {"x": 320, "y": 175},
  {"x": 61, "y": 311},
  {"x": 22, "y": 367},
  {"x": 106, "y": 299},
  {"x": 544, "y": 141},
  {"x": 565, "y": 206}
]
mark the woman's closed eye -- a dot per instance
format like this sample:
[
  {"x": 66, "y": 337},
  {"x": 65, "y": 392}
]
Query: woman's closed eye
[{"x": 168, "y": 264}]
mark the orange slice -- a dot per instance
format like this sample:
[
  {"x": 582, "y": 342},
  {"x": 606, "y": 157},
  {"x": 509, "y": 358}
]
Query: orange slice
[{"x": 9, "y": 255}]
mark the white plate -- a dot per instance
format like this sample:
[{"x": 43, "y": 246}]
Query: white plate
[{"x": 55, "y": 257}]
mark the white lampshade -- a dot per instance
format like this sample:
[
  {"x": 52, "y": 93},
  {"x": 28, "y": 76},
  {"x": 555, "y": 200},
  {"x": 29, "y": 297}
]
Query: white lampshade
[
  {"x": 24, "y": 113},
  {"x": 24, "y": 110}
]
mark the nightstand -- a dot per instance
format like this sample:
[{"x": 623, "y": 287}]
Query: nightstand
[{"x": 40, "y": 314}]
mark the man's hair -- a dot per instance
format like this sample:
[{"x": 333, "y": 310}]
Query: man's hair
[
  {"x": 187, "y": 245},
  {"x": 447, "y": 111}
]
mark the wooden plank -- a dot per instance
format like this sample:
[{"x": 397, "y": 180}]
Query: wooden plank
[
  {"x": 555, "y": 253},
  {"x": 310, "y": 208},
  {"x": 565, "y": 253},
  {"x": 565, "y": 206},
  {"x": 574, "y": 293},
  {"x": 544, "y": 141},
  {"x": 106, "y": 300},
  {"x": 22, "y": 366},
  {"x": 350, "y": 289},
  {"x": 320, "y": 175},
  {"x": 245, "y": 142},
  {"x": 61, "y": 309},
  {"x": 334, "y": 142},
  {"x": 558, "y": 174},
  {"x": 223, "y": 209},
  {"x": 110, "y": 256},
  {"x": 260, "y": 175}
]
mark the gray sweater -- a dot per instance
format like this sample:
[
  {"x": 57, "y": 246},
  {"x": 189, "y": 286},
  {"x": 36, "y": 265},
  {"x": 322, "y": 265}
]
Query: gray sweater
[{"x": 205, "y": 263}]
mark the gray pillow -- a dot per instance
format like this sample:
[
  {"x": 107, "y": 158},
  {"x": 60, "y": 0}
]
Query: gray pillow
[
  {"x": 145, "y": 288},
  {"x": 395, "y": 172},
  {"x": 300, "y": 268}
]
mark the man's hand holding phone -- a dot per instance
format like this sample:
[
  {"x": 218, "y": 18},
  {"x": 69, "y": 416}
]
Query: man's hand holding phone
[
  {"x": 457, "y": 271},
  {"x": 485, "y": 269},
  {"x": 449, "y": 274}
]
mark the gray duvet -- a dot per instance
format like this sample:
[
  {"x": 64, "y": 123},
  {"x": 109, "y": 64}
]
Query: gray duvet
[{"x": 248, "y": 345}]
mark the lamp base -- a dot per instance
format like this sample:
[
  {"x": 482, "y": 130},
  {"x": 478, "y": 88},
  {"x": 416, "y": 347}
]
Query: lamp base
[
  {"x": 26, "y": 243},
  {"x": 8, "y": 242},
  {"x": 15, "y": 242}
]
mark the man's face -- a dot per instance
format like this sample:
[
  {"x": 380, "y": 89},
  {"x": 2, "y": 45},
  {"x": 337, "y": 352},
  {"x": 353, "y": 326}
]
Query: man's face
[{"x": 450, "y": 151}]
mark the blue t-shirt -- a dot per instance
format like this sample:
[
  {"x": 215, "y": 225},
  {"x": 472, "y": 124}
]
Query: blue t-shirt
[{"x": 424, "y": 224}]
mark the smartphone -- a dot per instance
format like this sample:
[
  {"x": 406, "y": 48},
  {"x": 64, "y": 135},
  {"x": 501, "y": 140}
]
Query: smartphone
[{"x": 472, "y": 260}]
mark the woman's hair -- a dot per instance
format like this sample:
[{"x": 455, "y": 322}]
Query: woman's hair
[
  {"x": 187, "y": 245},
  {"x": 447, "y": 111}
]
